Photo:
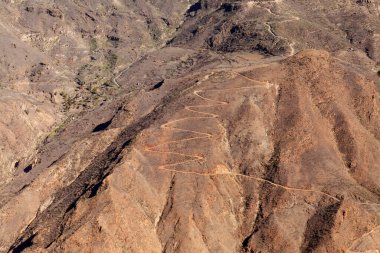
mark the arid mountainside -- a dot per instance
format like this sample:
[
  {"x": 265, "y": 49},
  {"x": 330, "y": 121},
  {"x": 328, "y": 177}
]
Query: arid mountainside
[
  {"x": 61, "y": 56},
  {"x": 275, "y": 27},
  {"x": 210, "y": 126}
]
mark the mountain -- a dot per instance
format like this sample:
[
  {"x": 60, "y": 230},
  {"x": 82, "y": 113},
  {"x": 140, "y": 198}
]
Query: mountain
[{"x": 209, "y": 126}]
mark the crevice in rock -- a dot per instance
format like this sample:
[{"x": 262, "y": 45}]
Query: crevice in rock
[
  {"x": 319, "y": 227},
  {"x": 23, "y": 246},
  {"x": 229, "y": 7},
  {"x": 157, "y": 85},
  {"x": 23, "y": 188},
  {"x": 345, "y": 140},
  {"x": 268, "y": 201},
  {"x": 273, "y": 167},
  {"x": 193, "y": 9},
  {"x": 90, "y": 17},
  {"x": 168, "y": 204},
  {"x": 259, "y": 217},
  {"x": 96, "y": 189},
  {"x": 28, "y": 168},
  {"x": 167, "y": 244},
  {"x": 103, "y": 126}
]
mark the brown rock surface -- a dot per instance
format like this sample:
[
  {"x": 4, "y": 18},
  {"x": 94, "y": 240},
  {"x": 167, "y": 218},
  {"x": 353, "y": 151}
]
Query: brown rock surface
[
  {"x": 234, "y": 137},
  {"x": 65, "y": 54}
]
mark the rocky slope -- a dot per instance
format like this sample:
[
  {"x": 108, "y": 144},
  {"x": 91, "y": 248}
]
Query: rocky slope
[
  {"x": 65, "y": 55},
  {"x": 255, "y": 128}
]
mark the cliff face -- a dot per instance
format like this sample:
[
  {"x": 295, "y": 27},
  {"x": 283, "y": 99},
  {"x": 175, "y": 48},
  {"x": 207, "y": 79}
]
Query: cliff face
[{"x": 248, "y": 132}]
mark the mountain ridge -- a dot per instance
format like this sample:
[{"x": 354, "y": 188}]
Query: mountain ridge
[{"x": 240, "y": 134}]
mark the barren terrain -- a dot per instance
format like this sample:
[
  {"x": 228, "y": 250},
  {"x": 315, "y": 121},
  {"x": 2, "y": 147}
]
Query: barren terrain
[{"x": 210, "y": 126}]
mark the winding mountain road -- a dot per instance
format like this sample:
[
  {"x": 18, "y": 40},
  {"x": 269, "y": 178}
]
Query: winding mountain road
[{"x": 196, "y": 109}]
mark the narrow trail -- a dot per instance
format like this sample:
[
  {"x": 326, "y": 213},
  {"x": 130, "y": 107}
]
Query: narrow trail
[
  {"x": 266, "y": 61},
  {"x": 270, "y": 31},
  {"x": 292, "y": 18},
  {"x": 352, "y": 65},
  {"x": 201, "y": 114},
  {"x": 361, "y": 237},
  {"x": 254, "y": 178},
  {"x": 196, "y": 109},
  {"x": 210, "y": 103},
  {"x": 117, "y": 76},
  {"x": 199, "y": 135}
]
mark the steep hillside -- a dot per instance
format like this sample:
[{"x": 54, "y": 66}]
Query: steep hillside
[
  {"x": 64, "y": 55},
  {"x": 210, "y": 126}
]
